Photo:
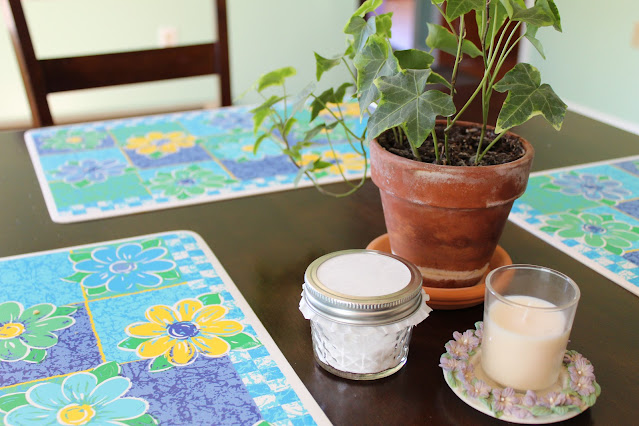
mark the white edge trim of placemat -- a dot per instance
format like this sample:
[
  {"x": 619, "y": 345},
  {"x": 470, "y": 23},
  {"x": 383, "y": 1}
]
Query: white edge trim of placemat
[
  {"x": 553, "y": 241},
  {"x": 296, "y": 383},
  {"x": 309, "y": 402},
  {"x": 42, "y": 179},
  {"x": 558, "y": 244},
  {"x": 152, "y": 206}
]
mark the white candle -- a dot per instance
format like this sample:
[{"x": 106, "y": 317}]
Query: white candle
[{"x": 523, "y": 347}]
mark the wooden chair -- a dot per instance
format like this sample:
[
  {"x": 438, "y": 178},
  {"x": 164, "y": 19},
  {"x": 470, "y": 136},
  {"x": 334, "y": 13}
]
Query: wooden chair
[{"x": 44, "y": 76}]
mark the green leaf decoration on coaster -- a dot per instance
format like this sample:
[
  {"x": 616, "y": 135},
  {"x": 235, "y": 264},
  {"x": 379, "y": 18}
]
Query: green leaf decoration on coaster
[
  {"x": 575, "y": 391},
  {"x": 35, "y": 356}
]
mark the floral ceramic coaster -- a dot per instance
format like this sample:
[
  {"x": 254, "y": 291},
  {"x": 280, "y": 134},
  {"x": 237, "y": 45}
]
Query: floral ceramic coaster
[{"x": 575, "y": 391}]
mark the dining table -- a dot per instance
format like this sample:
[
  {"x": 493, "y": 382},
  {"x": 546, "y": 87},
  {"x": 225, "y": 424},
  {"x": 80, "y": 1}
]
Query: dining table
[{"x": 266, "y": 242}]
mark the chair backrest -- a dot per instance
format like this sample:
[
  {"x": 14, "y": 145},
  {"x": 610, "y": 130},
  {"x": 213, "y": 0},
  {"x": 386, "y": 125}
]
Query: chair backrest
[{"x": 44, "y": 76}]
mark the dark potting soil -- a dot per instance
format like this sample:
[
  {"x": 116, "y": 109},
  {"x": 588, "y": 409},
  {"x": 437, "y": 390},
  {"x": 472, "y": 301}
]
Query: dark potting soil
[{"x": 462, "y": 145}]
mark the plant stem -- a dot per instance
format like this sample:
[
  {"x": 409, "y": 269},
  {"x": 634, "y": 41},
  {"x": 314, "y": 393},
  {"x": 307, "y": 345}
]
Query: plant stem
[
  {"x": 453, "y": 79},
  {"x": 336, "y": 117},
  {"x": 450, "y": 25},
  {"x": 435, "y": 143},
  {"x": 349, "y": 70},
  {"x": 490, "y": 146}
]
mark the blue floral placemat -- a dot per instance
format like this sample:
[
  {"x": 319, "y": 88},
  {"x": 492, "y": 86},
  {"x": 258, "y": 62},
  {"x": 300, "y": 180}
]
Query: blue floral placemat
[
  {"x": 113, "y": 168},
  {"x": 139, "y": 331},
  {"x": 590, "y": 212}
]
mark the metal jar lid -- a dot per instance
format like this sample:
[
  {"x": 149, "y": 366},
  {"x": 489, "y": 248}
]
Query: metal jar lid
[{"x": 362, "y": 310}]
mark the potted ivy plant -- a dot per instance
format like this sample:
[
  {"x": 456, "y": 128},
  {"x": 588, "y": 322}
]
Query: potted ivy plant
[{"x": 447, "y": 186}]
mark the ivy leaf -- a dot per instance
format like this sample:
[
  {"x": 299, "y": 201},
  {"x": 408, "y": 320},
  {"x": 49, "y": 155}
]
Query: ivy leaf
[
  {"x": 160, "y": 364},
  {"x": 442, "y": 39},
  {"x": 319, "y": 103},
  {"x": 384, "y": 23},
  {"x": 289, "y": 125},
  {"x": 338, "y": 95},
  {"x": 300, "y": 99},
  {"x": 456, "y": 8},
  {"x": 261, "y": 112},
  {"x": 106, "y": 371},
  {"x": 435, "y": 78},
  {"x": 10, "y": 401},
  {"x": 413, "y": 59},
  {"x": 404, "y": 102},
  {"x": 367, "y": 6},
  {"x": 210, "y": 299},
  {"x": 526, "y": 98},
  {"x": 361, "y": 30},
  {"x": 275, "y": 78},
  {"x": 531, "y": 33},
  {"x": 374, "y": 61},
  {"x": 544, "y": 13},
  {"x": 498, "y": 15},
  {"x": 323, "y": 64}
]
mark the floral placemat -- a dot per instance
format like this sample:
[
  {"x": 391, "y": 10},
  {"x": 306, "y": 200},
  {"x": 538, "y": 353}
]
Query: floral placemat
[
  {"x": 113, "y": 168},
  {"x": 590, "y": 212},
  {"x": 139, "y": 331}
]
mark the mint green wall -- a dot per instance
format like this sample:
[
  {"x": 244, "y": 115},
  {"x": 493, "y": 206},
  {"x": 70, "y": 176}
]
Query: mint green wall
[
  {"x": 592, "y": 64},
  {"x": 263, "y": 35}
]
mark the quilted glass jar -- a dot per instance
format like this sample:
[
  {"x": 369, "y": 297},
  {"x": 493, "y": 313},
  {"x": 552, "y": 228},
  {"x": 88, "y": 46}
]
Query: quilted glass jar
[{"x": 362, "y": 306}]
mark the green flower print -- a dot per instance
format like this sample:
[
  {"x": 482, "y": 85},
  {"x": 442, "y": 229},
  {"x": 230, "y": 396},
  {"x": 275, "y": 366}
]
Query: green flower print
[
  {"x": 74, "y": 140},
  {"x": 25, "y": 334},
  {"x": 596, "y": 230},
  {"x": 186, "y": 183}
]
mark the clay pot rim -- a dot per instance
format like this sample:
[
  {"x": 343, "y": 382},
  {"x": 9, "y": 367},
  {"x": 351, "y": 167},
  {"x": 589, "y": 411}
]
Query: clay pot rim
[{"x": 528, "y": 154}]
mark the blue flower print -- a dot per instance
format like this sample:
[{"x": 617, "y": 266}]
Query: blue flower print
[
  {"x": 90, "y": 170},
  {"x": 78, "y": 400},
  {"x": 122, "y": 268},
  {"x": 590, "y": 187}
]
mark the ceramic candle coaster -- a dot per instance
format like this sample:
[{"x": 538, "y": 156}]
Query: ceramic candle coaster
[
  {"x": 590, "y": 212},
  {"x": 575, "y": 391},
  {"x": 138, "y": 331},
  {"x": 113, "y": 168}
]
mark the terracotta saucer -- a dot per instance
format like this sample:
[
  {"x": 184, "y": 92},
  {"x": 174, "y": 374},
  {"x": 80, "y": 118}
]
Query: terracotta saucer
[{"x": 452, "y": 298}]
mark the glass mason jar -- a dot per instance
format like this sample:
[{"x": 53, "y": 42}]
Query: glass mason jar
[{"x": 362, "y": 306}]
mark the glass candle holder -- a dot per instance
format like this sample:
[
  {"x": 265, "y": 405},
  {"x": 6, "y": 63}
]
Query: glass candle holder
[
  {"x": 528, "y": 315},
  {"x": 362, "y": 306}
]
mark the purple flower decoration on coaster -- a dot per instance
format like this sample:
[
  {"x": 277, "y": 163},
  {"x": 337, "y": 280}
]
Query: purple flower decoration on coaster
[{"x": 576, "y": 390}]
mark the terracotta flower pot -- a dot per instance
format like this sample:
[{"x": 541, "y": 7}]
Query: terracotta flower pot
[{"x": 447, "y": 220}]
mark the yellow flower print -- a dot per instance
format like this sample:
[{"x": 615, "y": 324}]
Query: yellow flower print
[
  {"x": 348, "y": 161},
  {"x": 161, "y": 143},
  {"x": 183, "y": 331}
]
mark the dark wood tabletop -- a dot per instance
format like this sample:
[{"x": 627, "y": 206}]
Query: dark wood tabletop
[{"x": 266, "y": 242}]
